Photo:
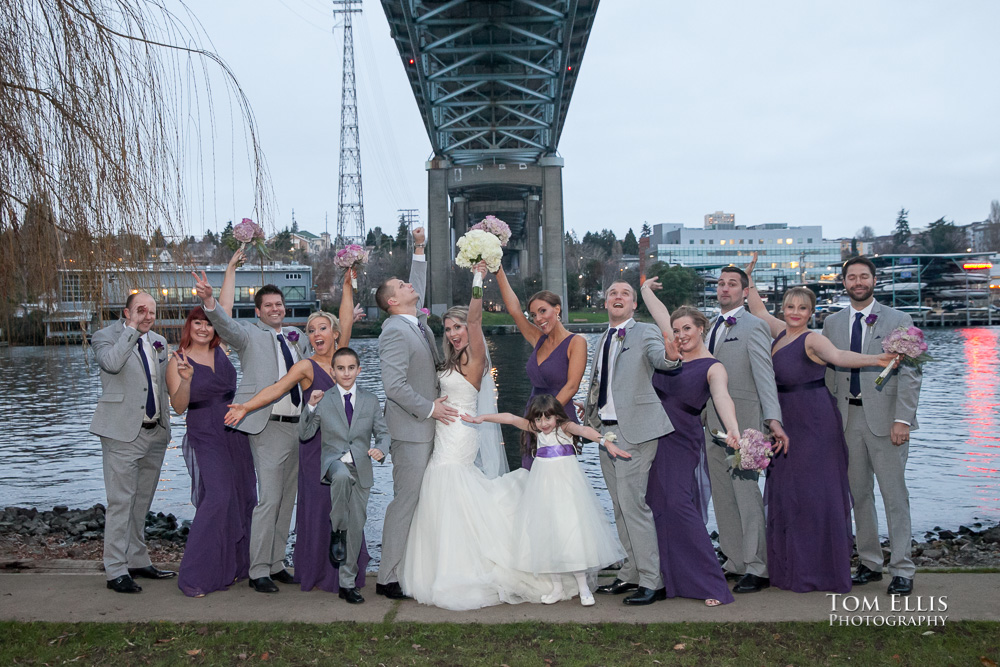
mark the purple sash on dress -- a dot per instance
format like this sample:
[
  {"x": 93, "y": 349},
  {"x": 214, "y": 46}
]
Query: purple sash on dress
[{"x": 555, "y": 451}]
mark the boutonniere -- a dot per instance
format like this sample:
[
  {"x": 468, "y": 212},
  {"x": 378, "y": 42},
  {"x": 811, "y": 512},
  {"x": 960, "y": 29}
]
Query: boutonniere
[
  {"x": 293, "y": 336},
  {"x": 425, "y": 312},
  {"x": 620, "y": 335},
  {"x": 730, "y": 321},
  {"x": 871, "y": 320},
  {"x": 158, "y": 346}
]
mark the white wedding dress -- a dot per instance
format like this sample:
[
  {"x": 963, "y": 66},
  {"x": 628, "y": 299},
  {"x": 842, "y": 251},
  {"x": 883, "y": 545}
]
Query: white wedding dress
[{"x": 458, "y": 553}]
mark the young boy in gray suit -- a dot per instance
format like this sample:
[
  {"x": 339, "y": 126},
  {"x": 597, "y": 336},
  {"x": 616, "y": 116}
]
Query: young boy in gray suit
[{"x": 349, "y": 417}]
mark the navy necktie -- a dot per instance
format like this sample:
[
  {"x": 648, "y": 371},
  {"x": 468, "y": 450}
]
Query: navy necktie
[
  {"x": 856, "y": 347},
  {"x": 289, "y": 362},
  {"x": 348, "y": 408},
  {"x": 150, "y": 397},
  {"x": 602, "y": 394},
  {"x": 711, "y": 338}
]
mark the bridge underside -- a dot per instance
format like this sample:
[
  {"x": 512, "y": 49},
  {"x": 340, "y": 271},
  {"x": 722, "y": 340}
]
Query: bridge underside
[{"x": 493, "y": 80}]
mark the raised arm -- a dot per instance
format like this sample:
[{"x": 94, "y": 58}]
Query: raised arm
[
  {"x": 418, "y": 266},
  {"x": 300, "y": 372},
  {"x": 346, "y": 314},
  {"x": 718, "y": 384},
  {"x": 661, "y": 315},
  {"x": 113, "y": 349},
  {"x": 530, "y": 332},
  {"x": 821, "y": 350},
  {"x": 477, "y": 342},
  {"x": 755, "y": 304},
  {"x": 179, "y": 374},
  {"x": 231, "y": 333},
  {"x": 227, "y": 295},
  {"x": 654, "y": 348}
]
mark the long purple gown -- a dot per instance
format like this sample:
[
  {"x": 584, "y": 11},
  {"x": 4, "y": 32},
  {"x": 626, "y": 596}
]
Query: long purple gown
[
  {"x": 312, "y": 514},
  {"x": 807, "y": 494},
  {"x": 688, "y": 562},
  {"x": 217, "y": 553},
  {"x": 549, "y": 377}
]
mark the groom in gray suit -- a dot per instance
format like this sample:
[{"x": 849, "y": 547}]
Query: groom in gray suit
[
  {"x": 742, "y": 343},
  {"x": 267, "y": 351},
  {"x": 133, "y": 421},
  {"x": 408, "y": 358},
  {"x": 877, "y": 424},
  {"x": 621, "y": 399}
]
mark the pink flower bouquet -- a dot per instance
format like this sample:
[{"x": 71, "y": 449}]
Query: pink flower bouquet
[
  {"x": 752, "y": 453},
  {"x": 351, "y": 257},
  {"x": 909, "y": 342},
  {"x": 496, "y": 227},
  {"x": 249, "y": 232}
]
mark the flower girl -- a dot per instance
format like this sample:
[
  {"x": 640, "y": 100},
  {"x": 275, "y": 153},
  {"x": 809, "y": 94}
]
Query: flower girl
[{"x": 560, "y": 528}]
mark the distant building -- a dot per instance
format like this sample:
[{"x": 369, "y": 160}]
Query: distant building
[
  {"x": 720, "y": 220},
  {"x": 310, "y": 243},
  {"x": 798, "y": 253}
]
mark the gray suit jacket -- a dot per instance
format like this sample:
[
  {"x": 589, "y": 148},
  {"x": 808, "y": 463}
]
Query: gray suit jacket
[
  {"x": 339, "y": 438},
  {"x": 897, "y": 397},
  {"x": 641, "y": 416},
  {"x": 408, "y": 359},
  {"x": 254, "y": 343},
  {"x": 122, "y": 405},
  {"x": 745, "y": 350}
]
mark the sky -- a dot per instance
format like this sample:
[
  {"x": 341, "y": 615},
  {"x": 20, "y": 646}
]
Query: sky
[{"x": 836, "y": 113}]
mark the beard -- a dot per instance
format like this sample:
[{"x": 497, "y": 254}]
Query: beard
[{"x": 864, "y": 296}]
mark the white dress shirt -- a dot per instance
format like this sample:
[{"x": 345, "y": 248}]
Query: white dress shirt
[
  {"x": 607, "y": 413},
  {"x": 145, "y": 347},
  {"x": 713, "y": 333},
  {"x": 283, "y": 407}
]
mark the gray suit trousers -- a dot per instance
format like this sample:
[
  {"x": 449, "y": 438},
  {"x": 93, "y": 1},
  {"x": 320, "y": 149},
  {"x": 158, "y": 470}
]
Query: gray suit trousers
[
  {"x": 131, "y": 473},
  {"x": 871, "y": 456},
  {"x": 409, "y": 461},
  {"x": 348, "y": 511},
  {"x": 739, "y": 511},
  {"x": 276, "y": 459},
  {"x": 627, "y": 480}
]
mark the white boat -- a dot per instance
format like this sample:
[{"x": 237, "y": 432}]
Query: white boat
[
  {"x": 900, "y": 287},
  {"x": 964, "y": 278},
  {"x": 969, "y": 293}
]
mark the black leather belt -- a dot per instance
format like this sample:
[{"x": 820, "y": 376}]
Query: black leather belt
[
  {"x": 853, "y": 401},
  {"x": 609, "y": 422},
  {"x": 283, "y": 418},
  {"x": 150, "y": 425}
]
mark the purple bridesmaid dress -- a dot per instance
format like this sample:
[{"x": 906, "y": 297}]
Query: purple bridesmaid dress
[
  {"x": 549, "y": 377},
  {"x": 217, "y": 553},
  {"x": 807, "y": 494},
  {"x": 311, "y": 554},
  {"x": 688, "y": 562}
]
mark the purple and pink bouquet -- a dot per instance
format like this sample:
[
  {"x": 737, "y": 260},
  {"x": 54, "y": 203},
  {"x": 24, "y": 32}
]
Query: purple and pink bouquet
[
  {"x": 496, "y": 227},
  {"x": 249, "y": 232},
  {"x": 351, "y": 257},
  {"x": 909, "y": 342},
  {"x": 752, "y": 453}
]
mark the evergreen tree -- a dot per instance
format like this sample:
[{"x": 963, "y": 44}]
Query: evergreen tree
[
  {"x": 901, "y": 236},
  {"x": 942, "y": 236},
  {"x": 680, "y": 284},
  {"x": 646, "y": 231},
  {"x": 630, "y": 245},
  {"x": 295, "y": 226},
  {"x": 403, "y": 233}
]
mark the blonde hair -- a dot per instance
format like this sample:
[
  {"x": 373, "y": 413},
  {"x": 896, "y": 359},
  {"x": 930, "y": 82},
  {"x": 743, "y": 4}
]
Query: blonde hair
[
  {"x": 334, "y": 323},
  {"x": 452, "y": 357},
  {"x": 803, "y": 293}
]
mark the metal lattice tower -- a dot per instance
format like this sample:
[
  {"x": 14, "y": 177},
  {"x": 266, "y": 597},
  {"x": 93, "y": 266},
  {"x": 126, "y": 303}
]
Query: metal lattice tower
[{"x": 350, "y": 202}]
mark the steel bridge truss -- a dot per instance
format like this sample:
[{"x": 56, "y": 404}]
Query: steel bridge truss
[{"x": 492, "y": 78}]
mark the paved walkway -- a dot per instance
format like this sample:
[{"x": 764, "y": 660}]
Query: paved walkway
[{"x": 82, "y": 596}]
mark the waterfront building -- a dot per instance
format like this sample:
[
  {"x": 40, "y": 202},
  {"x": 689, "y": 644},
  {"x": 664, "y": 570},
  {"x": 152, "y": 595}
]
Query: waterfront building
[
  {"x": 85, "y": 303},
  {"x": 795, "y": 254}
]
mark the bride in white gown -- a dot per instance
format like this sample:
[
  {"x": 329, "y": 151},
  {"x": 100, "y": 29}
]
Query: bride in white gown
[{"x": 458, "y": 553}]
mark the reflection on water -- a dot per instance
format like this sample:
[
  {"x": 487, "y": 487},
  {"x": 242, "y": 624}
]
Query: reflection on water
[{"x": 47, "y": 456}]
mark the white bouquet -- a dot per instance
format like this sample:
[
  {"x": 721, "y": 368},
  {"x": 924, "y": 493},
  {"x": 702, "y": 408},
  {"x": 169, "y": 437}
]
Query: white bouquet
[{"x": 477, "y": 246}]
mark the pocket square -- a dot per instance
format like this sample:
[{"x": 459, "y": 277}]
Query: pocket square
[
  {"x": 623, "y": 350},
  {"x": 726, "y": 340}
]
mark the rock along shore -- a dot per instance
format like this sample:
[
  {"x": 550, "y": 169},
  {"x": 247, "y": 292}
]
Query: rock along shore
[{"x": 64, "y": 533}]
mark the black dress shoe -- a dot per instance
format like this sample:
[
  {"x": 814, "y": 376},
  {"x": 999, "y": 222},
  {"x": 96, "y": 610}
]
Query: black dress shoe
[
  {"x": 864, "y": 575},
  {"x": 645, "y": 595},
  {"x": 617, "y": 587},
  {"x": 263, "y": 585},
  {"x": 751, "y": 583},
  {"x": 392, "y": 591},
  {"x": 282, "y": 577},
  {"x": 338, "y": 547},
  {"x": 150, "y": 572},
  {"x": 731, "y": 576},
  {"x": 900, "y": 586},
  {"x": 352, "y": 595},
  {"x": 124, "y": 584}
]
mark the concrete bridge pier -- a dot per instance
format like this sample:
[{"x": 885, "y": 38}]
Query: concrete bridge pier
[{"x": 528, "y": 196}]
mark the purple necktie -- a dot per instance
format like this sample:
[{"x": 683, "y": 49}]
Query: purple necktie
[
  {"x": 150, "y": 399},
  {"x": 855, "y": 387},
  {"x": 711, "y": 336},
  {"x": 602, "y": 389},
  {"x": 348, "y": 408}
]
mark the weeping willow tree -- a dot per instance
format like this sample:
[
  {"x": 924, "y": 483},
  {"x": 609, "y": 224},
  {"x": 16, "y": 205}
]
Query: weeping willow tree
[{"x": 107, "y": 140}]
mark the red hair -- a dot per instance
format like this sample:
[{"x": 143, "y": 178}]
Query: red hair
[{"x": 197, "y": 313}]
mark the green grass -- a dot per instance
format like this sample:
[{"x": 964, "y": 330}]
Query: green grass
[
  {"x": 575, "y": 317},
  {"x": 958, "y": 643}
]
